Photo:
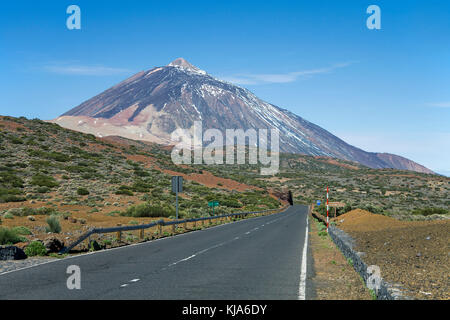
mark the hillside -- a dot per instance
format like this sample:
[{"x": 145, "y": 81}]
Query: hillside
[{"x": 88, "y": 182}]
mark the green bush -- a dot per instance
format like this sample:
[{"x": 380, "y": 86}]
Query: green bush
[
  {"x": 43, "y": 190},
  {"x": 35, "y": 248},
  {"x": 124, "y": 190},
  {"x": 57, "y": 156},
  {"x": 21, "y": 230},
  {"x": 82, "y": 191},
  {"x": 429, "y": 211},
  {"x": 141, "y": 186},
  {"x": 42, "y": 180},
  {"x": 9, "y": 236},
  {"x": 53, "y": 224},
  {"x": 232, "y": 203},
  {"x": 148, "y": 210}
]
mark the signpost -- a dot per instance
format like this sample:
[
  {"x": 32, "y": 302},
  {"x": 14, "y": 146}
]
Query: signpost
[
  {"x": 177, "y": 186},
  {"x": 327, "y": 210},
  {"x": 336, "y": 205},
  {"x": 213, "y": 204}
]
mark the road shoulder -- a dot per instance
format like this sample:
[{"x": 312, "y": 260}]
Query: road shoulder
[{"x": 332, "y": 277}]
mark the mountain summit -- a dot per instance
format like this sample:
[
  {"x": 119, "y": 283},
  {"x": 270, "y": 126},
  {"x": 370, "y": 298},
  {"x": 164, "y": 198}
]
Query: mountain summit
[
  {"x": 151, "y": 104},
  {"x": 183, "y": 64}
]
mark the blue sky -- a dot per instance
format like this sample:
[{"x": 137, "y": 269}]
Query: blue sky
[{"x": 382, "y": 90}]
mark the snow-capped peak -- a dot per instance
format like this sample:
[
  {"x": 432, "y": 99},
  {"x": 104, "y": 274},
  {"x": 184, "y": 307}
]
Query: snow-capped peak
[{"x": 183, "y": 64}]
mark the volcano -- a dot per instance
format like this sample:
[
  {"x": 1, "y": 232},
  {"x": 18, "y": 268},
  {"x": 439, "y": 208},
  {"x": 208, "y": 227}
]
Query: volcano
[{"x": 151, "y": 104}]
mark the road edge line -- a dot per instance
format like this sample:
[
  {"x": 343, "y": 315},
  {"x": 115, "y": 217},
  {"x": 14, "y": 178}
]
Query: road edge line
[{"x": 303, "y": 270}]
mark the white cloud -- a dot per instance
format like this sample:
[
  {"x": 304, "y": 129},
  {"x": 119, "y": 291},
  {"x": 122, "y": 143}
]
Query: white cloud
[
  {"x": 440, "y": 104},
  {"x": 266, "y": 78},
  {"x": 84, "y": 70}
]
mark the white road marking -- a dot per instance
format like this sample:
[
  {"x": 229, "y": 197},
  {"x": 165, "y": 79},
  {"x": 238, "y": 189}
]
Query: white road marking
[
  {"x": 134, "y": 280},
  {"x": 140, "y": 244},
  {"x": 210, "y": 248},
  {"x": 302, "y": 285},
  {"x": 124, "y": 285},
  {"x": 185, "y": 259}
]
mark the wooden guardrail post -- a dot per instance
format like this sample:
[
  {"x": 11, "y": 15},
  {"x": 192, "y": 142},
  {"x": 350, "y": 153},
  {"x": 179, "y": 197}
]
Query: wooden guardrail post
[
  {"x": 185, "y": 225},
  {"x": 160, "y": 229},
  {"x": 173, "y": 228},
  {"x": 119, "y": 233},
  {"x": 141, "y": 234}
]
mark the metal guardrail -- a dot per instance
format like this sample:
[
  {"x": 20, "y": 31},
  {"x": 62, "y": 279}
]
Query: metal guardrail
[{"x": 159, "y": 223}]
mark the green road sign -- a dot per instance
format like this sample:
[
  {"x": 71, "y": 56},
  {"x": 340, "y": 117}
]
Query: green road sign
[{"x": 213, "y": 204}]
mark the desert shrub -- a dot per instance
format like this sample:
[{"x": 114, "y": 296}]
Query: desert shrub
[
  {"x": 21, "y": 230},
  {"x": 35, "y": 248},
  {"x": 7, "y": 197},
  {"x": 148, "y": 210},
  {"x": 429, "y": 211},
  {"x": 8, "y": 177},
  {"x": 53, "y": 224},
  {"x": 39, "y": 164},
  {"x": 124, "y": 190},
  {"x": 82, "y": 191},
  {"x": 141, "y": 173},
  {"x": 232, "y": 203},
  {"x": 42, "y": 180},
  {"x": 157, "y": 192},
  {"x": 57, "y": 156},
  {"x": 141, "y": 186},
  {"x": 45, "y": 211},
  {"x": 43, "y": 189},
  {"x": 15, "y": 140},
  {"x": 9, "y": 236}
]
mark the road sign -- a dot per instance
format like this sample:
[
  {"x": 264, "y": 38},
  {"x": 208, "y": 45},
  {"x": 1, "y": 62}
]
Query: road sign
[
  {"x": 318, "y": 202},
  {"x": 177, "y": 184},
  {"x": 336, "y": 204},
  {"x": 213, "y": 203}
]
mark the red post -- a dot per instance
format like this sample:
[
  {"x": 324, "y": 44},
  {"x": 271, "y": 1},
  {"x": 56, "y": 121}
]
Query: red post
[{"x": 327, "y": 208}]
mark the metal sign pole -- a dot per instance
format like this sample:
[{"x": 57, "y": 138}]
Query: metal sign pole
[
  {"x": 177, "y": 186},
  {"x": 177, "y": 203}
]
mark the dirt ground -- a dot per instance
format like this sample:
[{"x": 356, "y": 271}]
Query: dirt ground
[
  {"x": 414, "y": 254},
  {"x": 335, "y": 278}
]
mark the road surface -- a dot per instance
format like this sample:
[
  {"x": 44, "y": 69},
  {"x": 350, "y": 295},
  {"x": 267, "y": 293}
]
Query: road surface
[{"x": 258, "y": 258}]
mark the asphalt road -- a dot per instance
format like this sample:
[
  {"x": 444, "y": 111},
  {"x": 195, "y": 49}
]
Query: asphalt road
[{"x": 259, "y": 258}]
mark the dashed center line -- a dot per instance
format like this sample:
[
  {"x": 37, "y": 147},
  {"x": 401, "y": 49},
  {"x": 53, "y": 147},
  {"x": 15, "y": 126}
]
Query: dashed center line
[{"x": 205, "y": 250}]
